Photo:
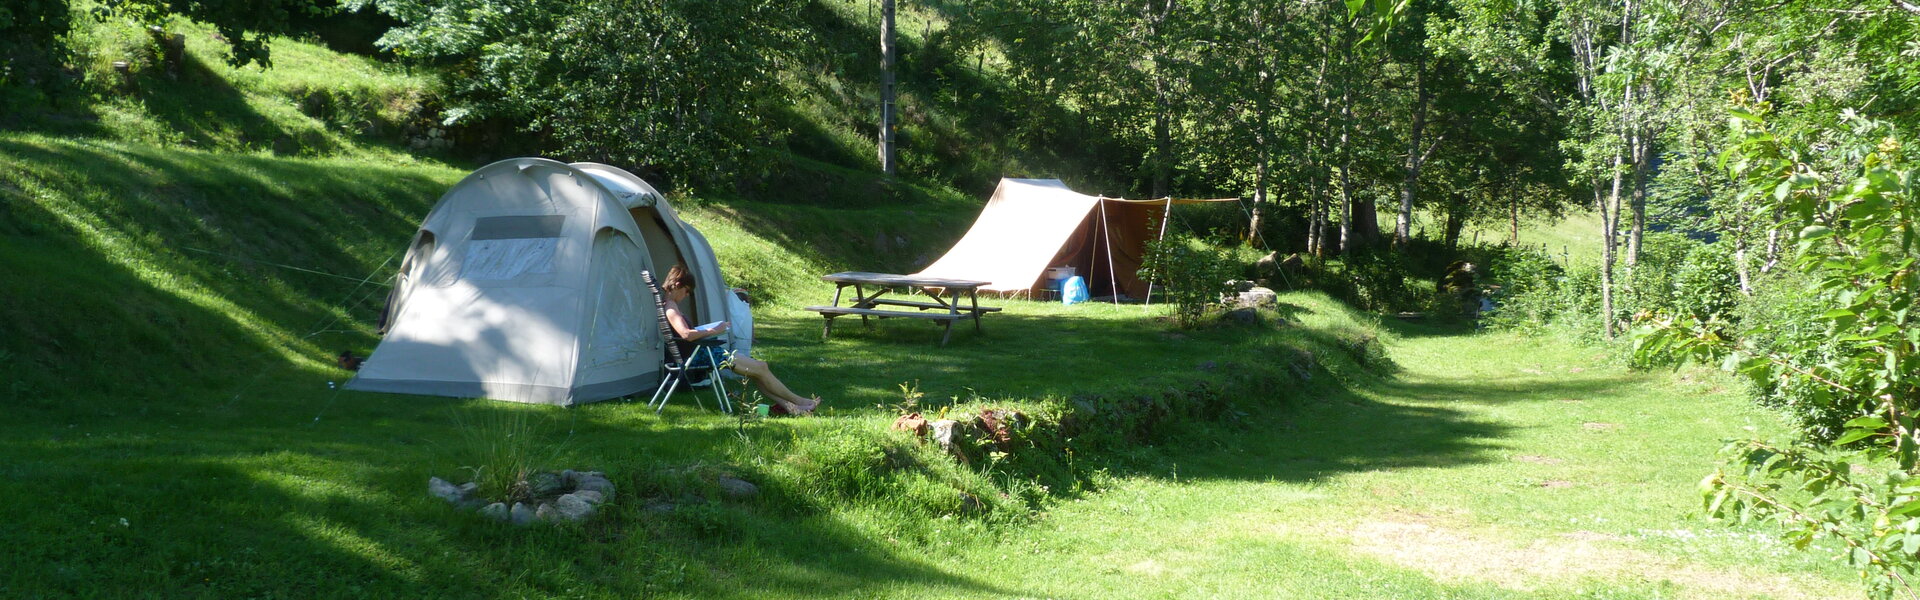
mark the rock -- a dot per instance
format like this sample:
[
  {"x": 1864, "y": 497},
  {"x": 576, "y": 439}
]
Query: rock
[
  {"x": 1267, "y": 267},
  {"x": 572, "y": 507},
  {"x": 658, "y": 506},
  {"x": 912, "y": 422},
  {"x": 443, "y": 490},
  {"x": 521, "y": 514},
  {"x": 1272, "y": 267},
  {"x": 1241, "y": 316},
  {"x": 496, "y": 511},
  {"x": 943, "y": 432},
  {"x": 1240, "y": 285},
  {"x": 737, "y": 489},
  {"x": 547, "y": 512},
  {"x": 971, "y": 503},
  {"x": 570, "y": 477},
  {"x": 1258, "y": 297},
  {"x": 546, "y": 484},
  {"x": 594, "y": 482},
  {"x": 946, "y": 433},
  {"x": 468, "y": 488},
  {"x": 592, "y": 497}
]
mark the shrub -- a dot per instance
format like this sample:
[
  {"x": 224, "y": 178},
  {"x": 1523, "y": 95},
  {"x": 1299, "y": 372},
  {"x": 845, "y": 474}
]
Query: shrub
[
  {"x": 1194, "y": 274},
  {"x": 1782, "y": 319}
]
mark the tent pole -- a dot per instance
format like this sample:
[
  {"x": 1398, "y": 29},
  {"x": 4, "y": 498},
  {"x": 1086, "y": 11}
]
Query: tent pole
[
  {"x": 1163, "y": 236},
  {"x": 1113, "y": 281}
]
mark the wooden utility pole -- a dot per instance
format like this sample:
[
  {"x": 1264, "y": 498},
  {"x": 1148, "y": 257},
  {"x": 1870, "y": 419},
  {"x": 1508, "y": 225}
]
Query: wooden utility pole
[{"x": 886, "y": 87}]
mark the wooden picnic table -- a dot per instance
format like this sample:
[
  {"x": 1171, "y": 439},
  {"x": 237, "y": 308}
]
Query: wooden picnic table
[{"x": 944, "y": 294}]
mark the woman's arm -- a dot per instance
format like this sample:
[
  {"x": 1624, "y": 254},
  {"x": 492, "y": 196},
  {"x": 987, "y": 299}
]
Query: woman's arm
[{"x": 686, "y": 332}]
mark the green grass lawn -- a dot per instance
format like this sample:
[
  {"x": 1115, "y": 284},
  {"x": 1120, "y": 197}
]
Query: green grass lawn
[
  {"x": 1487, "y": 466},
  {"x": 1492, "y": 466}
]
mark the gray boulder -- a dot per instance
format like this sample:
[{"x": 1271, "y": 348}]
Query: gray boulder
[
  {"x": 1241, "y": 316},
  {"x": 592, "y": 497},
  {"x": 443, "y": 490},
  {"x": 545, "y": 484},
  {"x": 496, "y": 511},
  {"x": 521, "y": 514},
  {"x": 1257, "y": 297},
  {"x": 596, "y": 483},
  {"x": 737, "y": 489},
  {"x": 546, "y": 512},
  {"x": 571, "y": 507}
]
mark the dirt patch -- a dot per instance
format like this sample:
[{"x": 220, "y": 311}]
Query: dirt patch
[
  {"x": 1533, "y": 371},
  {"x": 1452, "y": 554},
  {"x": 1149, "y": 567},
  {"x": 1537, "y": 459},
  {"x": 1595, "y": 426},
  {"x": 1571, "y": 401},
  {"x": 1556, "y": 483}
]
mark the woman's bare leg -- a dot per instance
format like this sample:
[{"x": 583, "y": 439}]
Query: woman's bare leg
[{"x": 762, "y": 376}]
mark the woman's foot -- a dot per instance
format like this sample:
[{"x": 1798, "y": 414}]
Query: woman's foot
[
  {"x": 813, "y": 403},
  {"x": 796, "y": 410}
]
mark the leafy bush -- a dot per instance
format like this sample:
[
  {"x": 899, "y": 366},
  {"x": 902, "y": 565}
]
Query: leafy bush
[
  {"x": 1194, "y": 274},
  {"x": 1782, "y": 319},
  {"x": 1857, "y": 231}
]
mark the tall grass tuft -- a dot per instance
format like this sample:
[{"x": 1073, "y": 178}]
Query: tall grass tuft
[{"x": 503, "y": 450}]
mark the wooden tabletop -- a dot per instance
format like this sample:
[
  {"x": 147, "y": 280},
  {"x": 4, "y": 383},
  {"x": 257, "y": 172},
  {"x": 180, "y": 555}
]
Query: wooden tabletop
[{"x": 848, "y": 277}]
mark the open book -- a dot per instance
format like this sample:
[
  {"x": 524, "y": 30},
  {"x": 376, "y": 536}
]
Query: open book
[{"x": 709, "y": 327}]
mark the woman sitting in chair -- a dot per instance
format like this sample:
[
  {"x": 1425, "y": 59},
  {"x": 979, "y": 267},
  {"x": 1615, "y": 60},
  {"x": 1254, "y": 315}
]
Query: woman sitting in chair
[{"x": 677, "y": 286}]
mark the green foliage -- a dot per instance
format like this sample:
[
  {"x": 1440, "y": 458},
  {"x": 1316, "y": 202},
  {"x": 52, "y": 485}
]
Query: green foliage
[
  {"x": 1193, "y": 273},
  {"x": 1858, "y": 243},
  {"x": 680, "y": 87},
  {"x": 247, "y": 26},
  {"x": 30, "y": 39}
]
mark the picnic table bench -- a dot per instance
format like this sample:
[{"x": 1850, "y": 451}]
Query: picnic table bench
[{"x": 866, "y": 305}]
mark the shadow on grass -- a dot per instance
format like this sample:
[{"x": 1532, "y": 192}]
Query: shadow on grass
[
  {"x": 267, "y": 498},
  {"x": 269, "y": 240}
]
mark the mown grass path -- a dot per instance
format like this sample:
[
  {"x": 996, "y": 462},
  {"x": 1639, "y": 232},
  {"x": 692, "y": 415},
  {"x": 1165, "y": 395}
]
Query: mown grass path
[{"x": 1491, "y": 466}]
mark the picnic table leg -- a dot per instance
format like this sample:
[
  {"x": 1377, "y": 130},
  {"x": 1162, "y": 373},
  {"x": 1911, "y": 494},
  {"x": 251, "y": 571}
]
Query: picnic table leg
[
  {"x": 973, "y": 297},
  {"x": 828, "y": 332},
  {"x": 948, "y": 333},
  {"x": 861, "y": 293}
]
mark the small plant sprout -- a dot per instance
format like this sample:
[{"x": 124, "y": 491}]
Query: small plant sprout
[{"x": 910, "y": 396}]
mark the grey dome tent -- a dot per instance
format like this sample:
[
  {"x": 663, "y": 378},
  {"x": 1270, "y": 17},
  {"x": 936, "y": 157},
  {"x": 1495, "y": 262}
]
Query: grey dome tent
[{"x": 523, "y": 284}]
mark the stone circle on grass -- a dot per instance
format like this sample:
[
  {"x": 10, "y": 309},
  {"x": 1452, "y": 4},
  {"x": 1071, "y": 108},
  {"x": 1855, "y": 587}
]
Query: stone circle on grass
[{"x": 567, "y": 496}]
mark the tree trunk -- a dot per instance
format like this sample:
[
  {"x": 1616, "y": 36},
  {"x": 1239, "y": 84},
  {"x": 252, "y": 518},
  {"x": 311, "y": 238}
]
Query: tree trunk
[
  {"x": 1609, "y": 231},
  {"x": 886, "y": 87},
  {"x": 1315, "y": 212},
  {"x": 1455, "y": 223},
  {"x": 1259, "y": 190},
  {"x": 1513, "y": 204},
  {"x": 1162, "y": 105},
  {"x": 1403, "y": 224},
  {"x": 1643, "y": 148}
]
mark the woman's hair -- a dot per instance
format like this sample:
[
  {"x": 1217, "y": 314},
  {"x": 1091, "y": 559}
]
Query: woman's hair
[{"x": 677, "y": 277}]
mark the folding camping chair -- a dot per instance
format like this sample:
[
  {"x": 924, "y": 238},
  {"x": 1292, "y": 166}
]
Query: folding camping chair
[{"x": 677, "y": 367}]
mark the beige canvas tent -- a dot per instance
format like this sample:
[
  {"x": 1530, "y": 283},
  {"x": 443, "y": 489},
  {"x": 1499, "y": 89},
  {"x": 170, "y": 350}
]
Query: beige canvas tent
[
  {"x": 1030, "y": 225},
  {"x": 523, "y": 284}
]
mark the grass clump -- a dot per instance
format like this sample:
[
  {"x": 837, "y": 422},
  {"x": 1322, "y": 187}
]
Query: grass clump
[{"x": 512, "y": 454}]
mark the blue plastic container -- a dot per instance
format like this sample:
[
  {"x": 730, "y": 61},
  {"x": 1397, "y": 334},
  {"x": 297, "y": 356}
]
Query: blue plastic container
[{"x": 1073, "y": 290}]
